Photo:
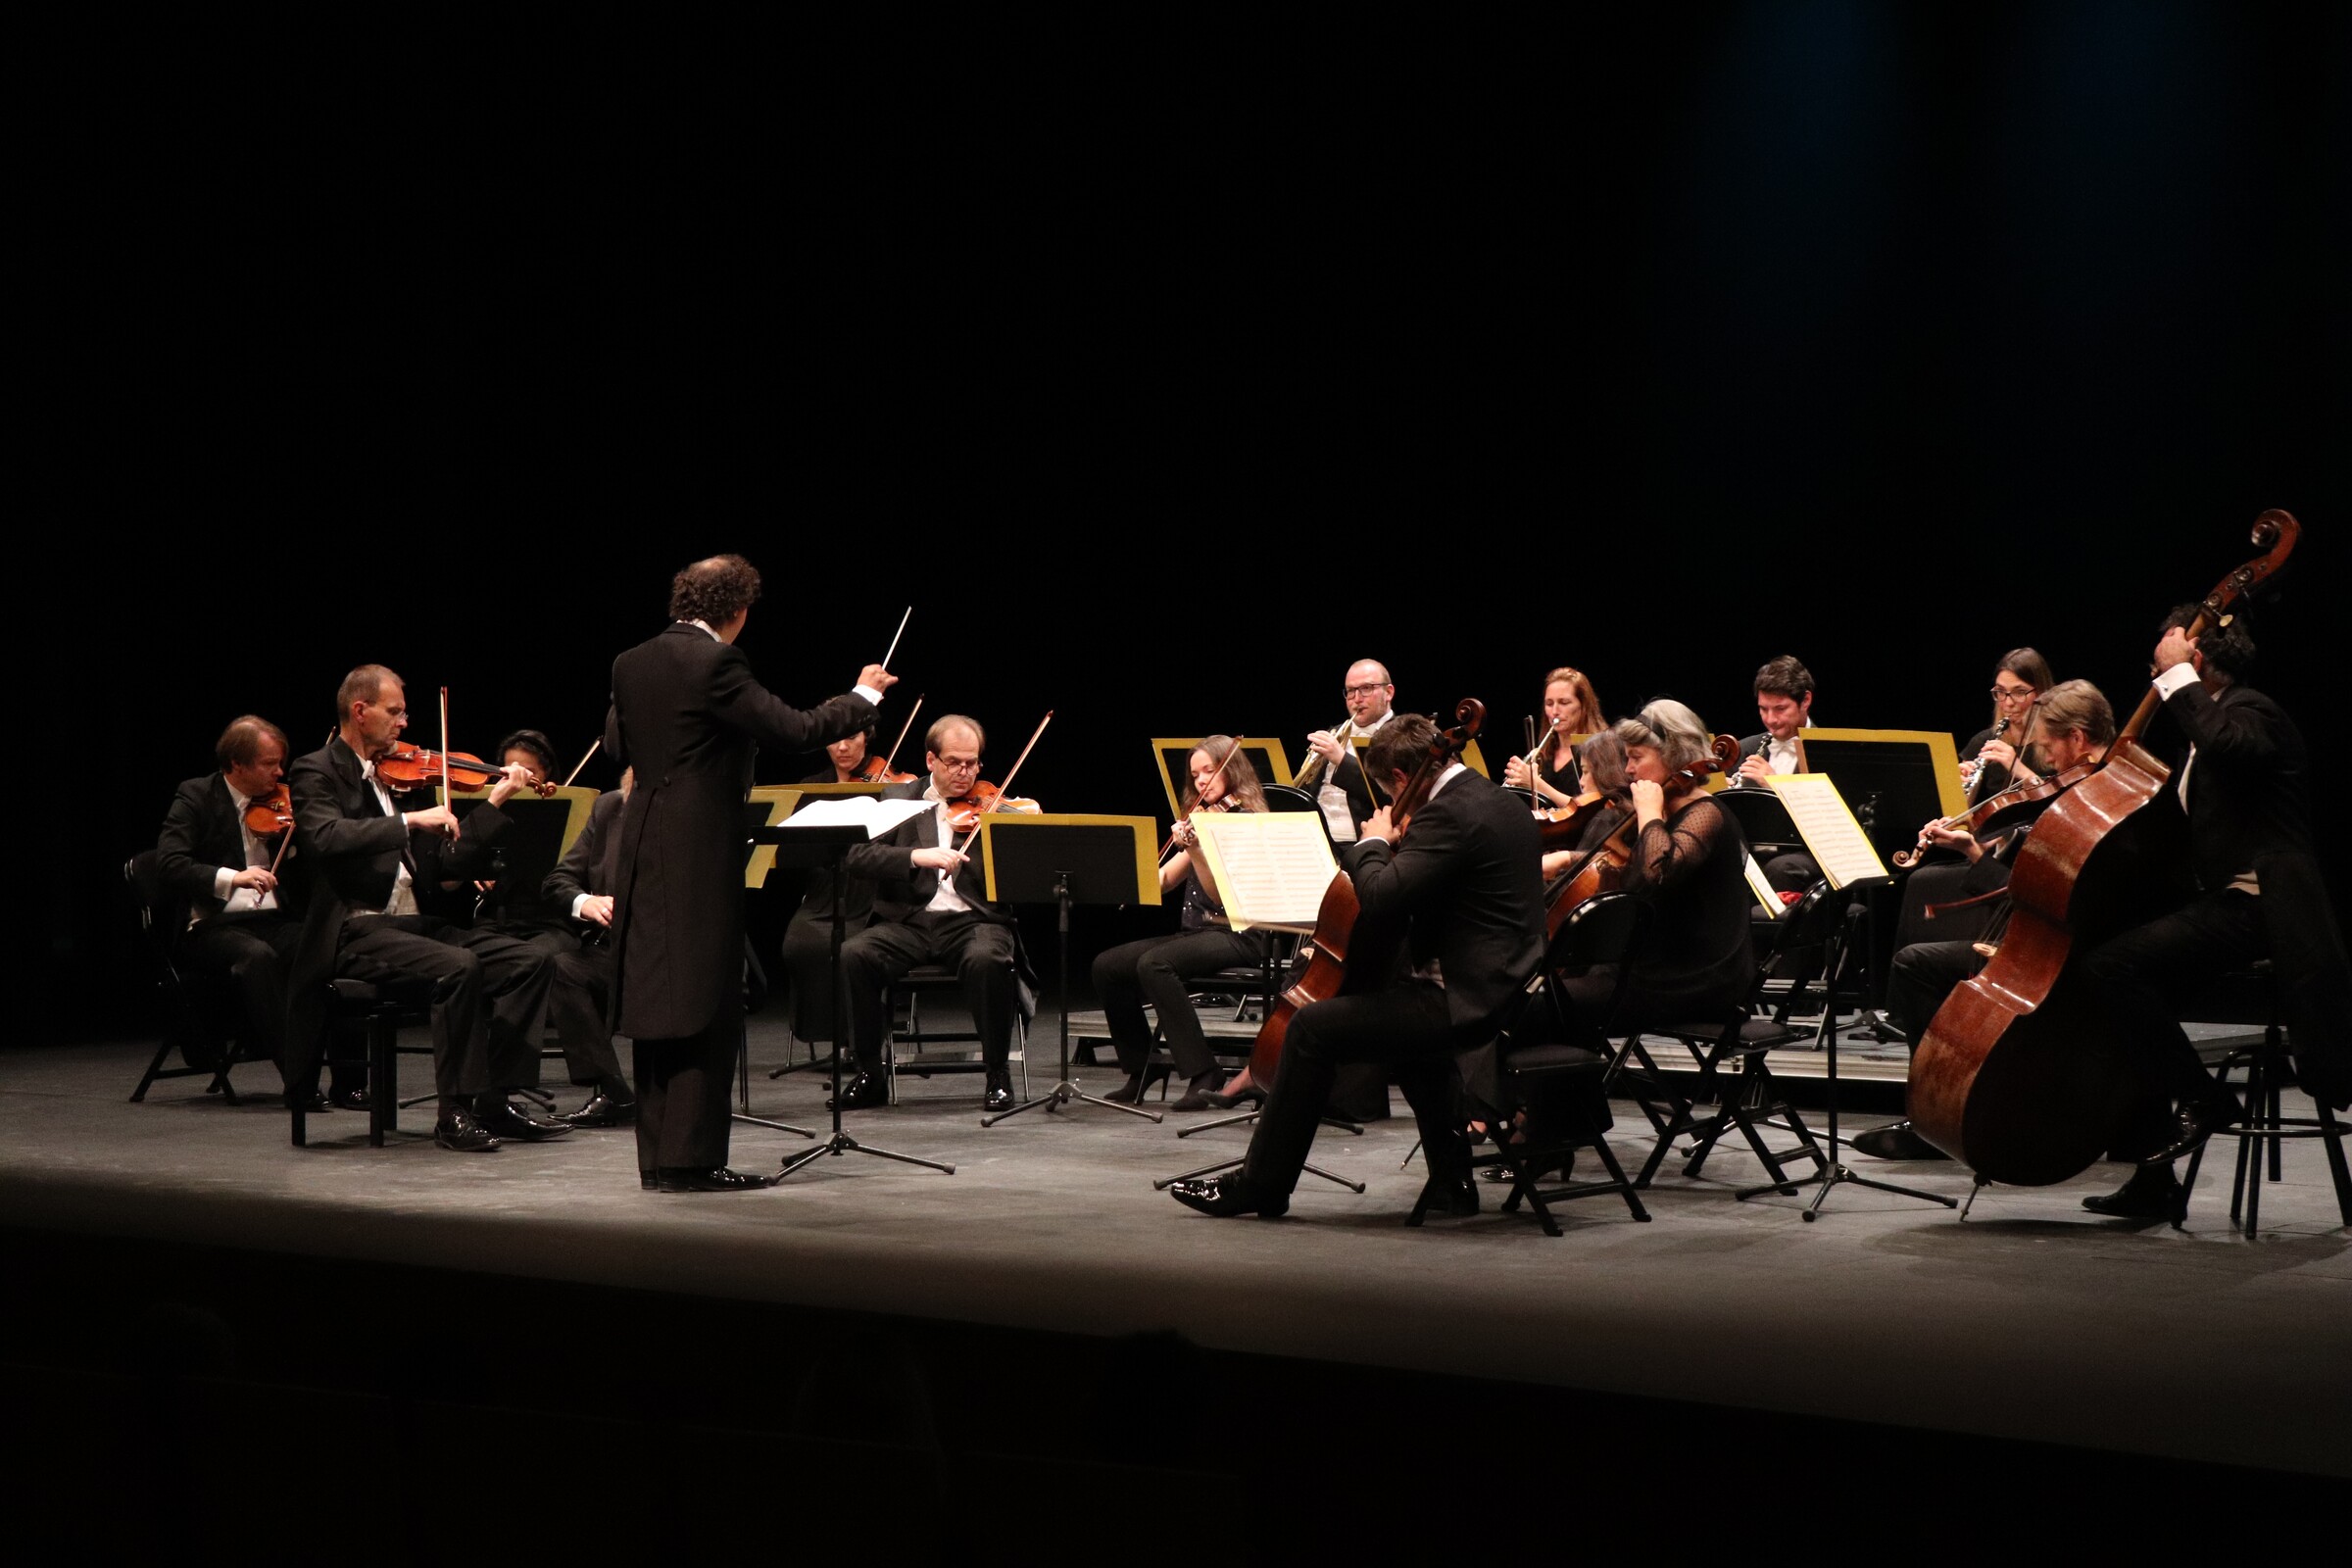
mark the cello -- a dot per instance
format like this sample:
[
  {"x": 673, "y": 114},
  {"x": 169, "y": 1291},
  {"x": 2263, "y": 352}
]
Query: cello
[
  {"x": 2019, "y": 1075},
  {"x": 1341, "y": 963}
]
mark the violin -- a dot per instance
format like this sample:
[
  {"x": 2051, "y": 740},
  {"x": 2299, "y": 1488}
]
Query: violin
[
  {"x": 412, "y": 767},
  {"x": 965, "y": 810},
  {"x": 877, "y": 769},
  {"x": 1563, "y": 826},
  {"x": 2018, "y": 1076},
  {"x": 1603, "y": 869},
  {"x": 268, "y": 815},
  {"x": 2000, "y": 809}
]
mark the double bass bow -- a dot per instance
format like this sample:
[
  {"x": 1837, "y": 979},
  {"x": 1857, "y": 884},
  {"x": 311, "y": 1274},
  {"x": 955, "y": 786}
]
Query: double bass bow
[
  {"x": 2018, "y": 1076},
  {"x": 1330, "y": 971}
]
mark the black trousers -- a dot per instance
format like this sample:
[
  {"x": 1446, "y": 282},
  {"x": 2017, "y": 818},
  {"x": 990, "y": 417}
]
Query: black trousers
[
  {"x": 683, "y": 1089},
  {"x": 246, "y": 956},
  {"x": 809, "y": 973},
  {"x": 1404, "y": 1030},
  {"x": 576, "y": 1004},
  {"x": 488, "y": 991},
  {"x": 1922, "y": 976},
  {"x": 2144, "y": 977},
  {"x": 1156, "y": 970},
  {"x": 981, "y": 952}
]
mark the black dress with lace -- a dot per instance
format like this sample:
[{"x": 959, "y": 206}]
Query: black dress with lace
[{"x": 1697, "y": 961}]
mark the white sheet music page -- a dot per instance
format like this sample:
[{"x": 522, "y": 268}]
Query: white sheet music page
[
  {"x": 876, "y": 815},
  {"x": 1831, "y": 833},
  {"x": 1272, "y": 866}
]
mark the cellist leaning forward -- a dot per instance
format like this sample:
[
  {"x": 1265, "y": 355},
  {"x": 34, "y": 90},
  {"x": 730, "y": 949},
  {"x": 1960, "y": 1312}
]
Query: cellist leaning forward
[{"x": 1465, "y": 874}]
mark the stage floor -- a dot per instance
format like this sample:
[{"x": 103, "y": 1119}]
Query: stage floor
[{"x": 2031, "y": 1320}]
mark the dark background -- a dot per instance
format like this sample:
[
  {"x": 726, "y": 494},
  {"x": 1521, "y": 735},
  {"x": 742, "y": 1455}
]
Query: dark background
[{"x": 1167, "y": 368}]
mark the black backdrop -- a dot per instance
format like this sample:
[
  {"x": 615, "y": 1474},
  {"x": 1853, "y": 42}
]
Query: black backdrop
[{"x": 1166, "y": 369}]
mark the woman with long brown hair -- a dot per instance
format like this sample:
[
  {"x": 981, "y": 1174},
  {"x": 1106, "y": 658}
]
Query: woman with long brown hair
[{"x": 1570, "y": 709}]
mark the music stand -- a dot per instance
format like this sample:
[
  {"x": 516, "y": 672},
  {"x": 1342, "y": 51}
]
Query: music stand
[
  {"x": 1031, "y": 858},
  {"x": 1833, "y": 1171},
  {"x": 812, "y": 847}
]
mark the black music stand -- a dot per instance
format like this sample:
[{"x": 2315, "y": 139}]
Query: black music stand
[
  {"x": 1062, "y": 862},
  {"x": 815, "y": 848},
  {"x": 1833, "y": 1171}
]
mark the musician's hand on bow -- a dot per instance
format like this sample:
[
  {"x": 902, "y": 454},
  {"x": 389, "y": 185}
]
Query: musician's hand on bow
[
  {"x": 1998, "y": 753},
  {"x": 1184, "y": 835},
  {"x": 940, "y": 859},
  {"x": 2174, "y": 649},
  {"x": 1380, "y": 826},
  {"x": 513, "y": 776},
  {"x": 597, "y": 908},
  {"x": 433, "y": 820},
  {"x": 1649, "y": 801},
  {"x": 1755, "y": 769},
  {"x": 1951, "y": 838},
  {"x": 260, "y": 878},
  {"x": 874, "y": 678},
  {"x": 1329, "y": 747}
]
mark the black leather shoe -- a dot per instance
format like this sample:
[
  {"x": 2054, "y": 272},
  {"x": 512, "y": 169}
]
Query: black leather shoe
[
  {"x": 999, "y": 1097},
  {"x": 348, "y": 1099},
  {"x": 314, "y": 1103},
  {"x": 459, "y": 1132},
  {"x": 862, "y": 1092},
  {"x": 1227, "y": 1195},
  {"x": 648, "y": 1180},
  {"x": 501, "y": 1118},
  {"x": 603, "y": 1111},
  {"x": 2193, "y": 1124},
  {"x": 1897, "y": 1140},
  {"x": 2140, "y": 1198},
  {"x": 1451, "y": 1195},
  {"x": 706, "y": 1181}
]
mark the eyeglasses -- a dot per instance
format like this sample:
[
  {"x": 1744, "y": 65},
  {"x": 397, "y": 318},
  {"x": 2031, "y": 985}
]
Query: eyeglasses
[
  {"x": 2010, "y": 694},
  {"x": 1364, "y": 691},
  {"x": 952, "y": 765}
]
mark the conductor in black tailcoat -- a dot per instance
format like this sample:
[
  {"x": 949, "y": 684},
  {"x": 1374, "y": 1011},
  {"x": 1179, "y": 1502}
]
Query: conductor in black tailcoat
[{"x": 689, "y": 715}]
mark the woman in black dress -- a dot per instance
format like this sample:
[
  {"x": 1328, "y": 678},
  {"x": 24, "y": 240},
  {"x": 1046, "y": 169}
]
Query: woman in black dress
[
  {"x": 1155, "y": 969},
  {"x": 1570, "y": 709},
  {"x": 1990, "y": 758}
]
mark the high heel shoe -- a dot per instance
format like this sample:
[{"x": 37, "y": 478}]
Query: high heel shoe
[
  {"x": 1199, "y": 1093},
  {"x": 1246, "y": 1095},
  {"x": 1137, "y": 1085}
]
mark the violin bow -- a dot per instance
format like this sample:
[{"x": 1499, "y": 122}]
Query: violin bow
[
  {"x": 903, "y": 728},
  {"x": 583, "y": 762},
  {"x": 1005, "y": 790},
  {"x": 1214, "y": 778},
  {"x": 445, "y": 756}
]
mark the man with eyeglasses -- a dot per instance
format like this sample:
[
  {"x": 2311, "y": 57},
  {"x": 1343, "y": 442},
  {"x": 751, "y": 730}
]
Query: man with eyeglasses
[
  {"x": 930, "y": 908},
  {"x": 1343, "y": 794}
]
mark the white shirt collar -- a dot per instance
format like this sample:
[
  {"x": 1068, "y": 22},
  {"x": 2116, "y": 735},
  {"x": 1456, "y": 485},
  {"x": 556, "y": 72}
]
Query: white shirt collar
[
  {"x": 705, "y": 627},
  {"x": 1445, "y": 778}
]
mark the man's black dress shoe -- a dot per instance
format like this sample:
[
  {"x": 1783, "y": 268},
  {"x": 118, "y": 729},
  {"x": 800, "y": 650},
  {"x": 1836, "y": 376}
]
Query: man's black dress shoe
[
  {"x": 2140, "y": 1198},
  {"x": 861, "y": 1092},
  {"x": 647, "y": 1180},
  {"x": 603, "y": 1111},
  {"x": 1451, "y": 1195},
  {"x": 1897, "y": 1140},
  {"x": 706, "y": 1181},
  {"x": 314, "y": 1103},
  {"x": 500, "y": 1119},
  {"x": 461, "y": 1133},
  {"x": 1227, "y": 1195},
  {"x": 2193, "y": 1124},
  {"x": 999, "y": 1097}
]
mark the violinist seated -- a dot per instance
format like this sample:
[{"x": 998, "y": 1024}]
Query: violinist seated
[
  {"x": 1550, "y": 771},
  {"x": 366, "y": 861},
  {"x": 2076, "y": 728},
  {"x": 1600, "y": 806},
  {"x": 1460, "y": 878},
  {"x": 1688, "y": 863},
  {"x": 930, "y": 908},
  {"x": 1784, "y": 689},
  {"x": 2245, "y": 783},
  {"x": 809, "y": 936},
  {"x": 1338, "y": 778},
  {"x": 1157, "y": 969},
  {"x": 237, "y": 937},
  {"x": 1990, "y": 760},
  {"x": 580, "y": 889}
]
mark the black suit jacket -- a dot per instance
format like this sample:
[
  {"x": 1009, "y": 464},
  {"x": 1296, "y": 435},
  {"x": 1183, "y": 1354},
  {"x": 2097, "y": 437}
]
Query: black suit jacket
[
  {"x": 1468, "y": 874},
  {"x": 590, "y": 865},
  {"x": 689, "y": 715},
  {"x": 900, "y": 887},
  {"x": 348, "y": 854},
  {"x": 201, "y": 834},
  {"x": 1750, "y": 746},
  {"x": 2249, "y": 794}
]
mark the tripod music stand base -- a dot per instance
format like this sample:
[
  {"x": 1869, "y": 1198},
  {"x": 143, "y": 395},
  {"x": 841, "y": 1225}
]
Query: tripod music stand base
[
  {"x": 843, "y": 1143},
  {"x": 1340, "y": 1122},
  {"x": 1060, "y": 1095},
  {"x": 762, "y": 1121},
  {"x": 1166, "y": 1181},
  {"x": 1830, "y": 1176}
]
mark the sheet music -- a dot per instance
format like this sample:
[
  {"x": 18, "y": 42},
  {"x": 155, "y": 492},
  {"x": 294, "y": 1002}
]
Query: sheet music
[
  {"x": 1831, "y": 833},
  {"x": 1273, "y": 867},
  {"x": 877, "y": 816},
  {"x": 1766, "y": 894}
]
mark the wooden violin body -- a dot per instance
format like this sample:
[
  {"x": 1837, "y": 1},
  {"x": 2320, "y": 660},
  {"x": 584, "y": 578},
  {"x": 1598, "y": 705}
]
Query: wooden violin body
[
  {"x": 268, "y": 815},
  {"x": 412, "y": 767},
  {"x": 2021, "y": 1073}
]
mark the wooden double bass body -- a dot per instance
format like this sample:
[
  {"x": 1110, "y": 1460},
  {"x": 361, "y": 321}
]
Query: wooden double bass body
[{"x": 2021, "y": 1074}]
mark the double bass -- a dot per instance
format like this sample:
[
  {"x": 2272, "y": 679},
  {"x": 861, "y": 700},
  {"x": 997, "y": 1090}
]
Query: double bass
[
  {"x": 2021, "y": 1074},
  {"x": 1343, "y": 962}
]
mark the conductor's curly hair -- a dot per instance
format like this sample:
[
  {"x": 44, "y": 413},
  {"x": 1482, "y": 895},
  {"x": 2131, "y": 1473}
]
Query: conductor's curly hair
[{"x": 713, "y": 591}]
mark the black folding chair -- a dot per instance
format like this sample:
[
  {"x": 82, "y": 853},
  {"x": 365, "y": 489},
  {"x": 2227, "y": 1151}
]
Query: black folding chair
[{"x": 197, "y": 1031}]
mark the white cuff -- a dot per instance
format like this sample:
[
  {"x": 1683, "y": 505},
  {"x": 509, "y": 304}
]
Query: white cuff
[
  {"x": 2173, "y": 680},
  {"x": 579, "y": 901},
  {"x": 225, "y": 884},
  {"x": 869, "y": 694}
]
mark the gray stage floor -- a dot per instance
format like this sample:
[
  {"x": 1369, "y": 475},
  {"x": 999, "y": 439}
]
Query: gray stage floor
[{"x": 2031, "y": 1319}]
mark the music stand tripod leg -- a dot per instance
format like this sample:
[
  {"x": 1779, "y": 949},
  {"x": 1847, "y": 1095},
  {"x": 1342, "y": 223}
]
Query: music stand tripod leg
[{"x": 1065, "y": 1089}]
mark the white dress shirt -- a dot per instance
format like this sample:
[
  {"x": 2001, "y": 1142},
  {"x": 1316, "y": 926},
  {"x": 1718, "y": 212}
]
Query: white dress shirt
[
  {"x": 947, "y": 900},
  {"x": 234, "y": 899},
  {"x": 1333, "y": 799}
]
